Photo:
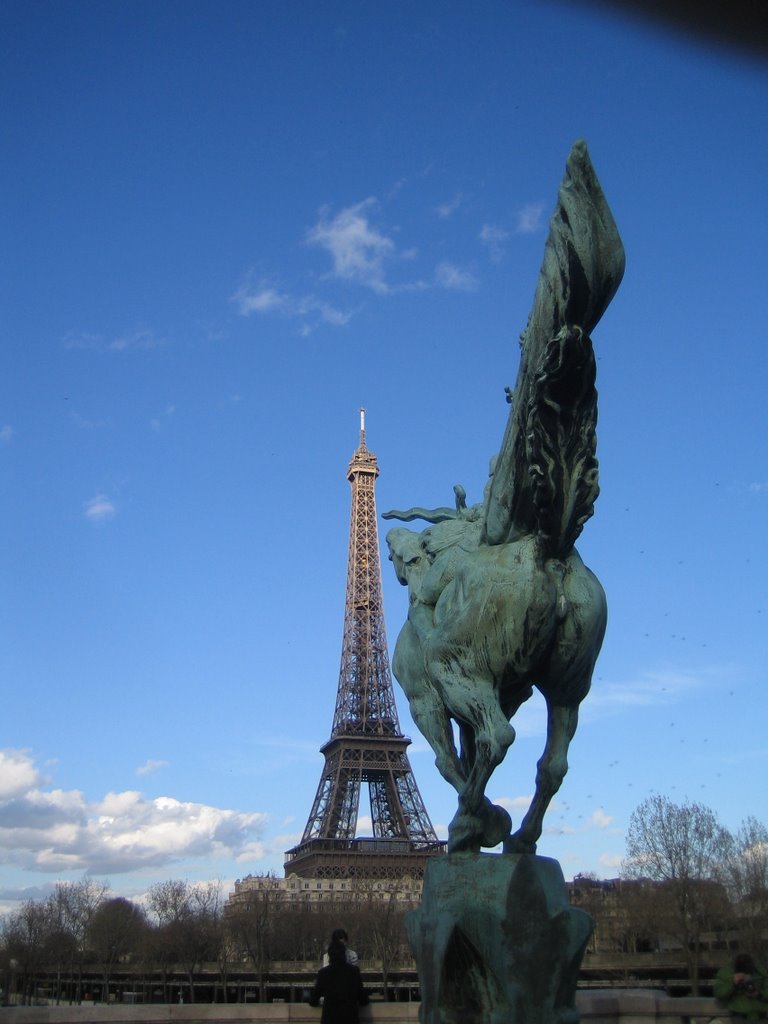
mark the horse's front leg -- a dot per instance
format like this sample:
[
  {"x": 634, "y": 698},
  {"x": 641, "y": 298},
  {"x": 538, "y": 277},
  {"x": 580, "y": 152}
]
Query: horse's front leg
[
  {"x": 550, "y": 772},
  {"x": 427, "y": 707}
]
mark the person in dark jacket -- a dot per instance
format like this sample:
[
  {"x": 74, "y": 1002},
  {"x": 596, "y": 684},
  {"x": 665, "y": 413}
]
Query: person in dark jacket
[
  {"x": 340, "y": 986},
  {"x": 743, "y": 988},
  {"x": 340, "y": 935}
]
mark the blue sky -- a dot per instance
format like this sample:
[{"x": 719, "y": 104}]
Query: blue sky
[{"x": 228, "y": 226}]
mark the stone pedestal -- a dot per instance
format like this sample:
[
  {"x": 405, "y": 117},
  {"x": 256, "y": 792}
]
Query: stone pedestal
[{"x": 496, "y": 941}]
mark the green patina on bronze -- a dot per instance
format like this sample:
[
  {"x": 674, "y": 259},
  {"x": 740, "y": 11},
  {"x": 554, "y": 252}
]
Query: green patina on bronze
[
  {"x": 496, "y": 940},
  {"x": 500, "y": 603}
]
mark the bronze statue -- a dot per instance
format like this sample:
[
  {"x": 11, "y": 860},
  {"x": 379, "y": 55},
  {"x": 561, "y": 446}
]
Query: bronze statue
[{"x": 500, "y": 601}]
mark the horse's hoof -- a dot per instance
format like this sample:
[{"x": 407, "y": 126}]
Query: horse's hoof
[
  {"x": 465, "y": 834},
  {"x": 516, "y": 844},
  {"x": 497, "y": 824}
]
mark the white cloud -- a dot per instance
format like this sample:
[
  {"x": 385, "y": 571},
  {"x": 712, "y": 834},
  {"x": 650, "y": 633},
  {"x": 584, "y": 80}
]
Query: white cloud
[
  {"x": 494, "y": 237},
  {"x": 17, "y": 774},
  {"x": 611, "y": 861},
  {"x": 6, "y": 433},
  {"x": 358, "y": 249},
  {"x": 529, "y": 219},
  {"x": 59, "y": 830},
  {"x": 139, "y": 338},
  {"x": 150, "y": 766},
  {"x": 758, "y": 487},
  {"x": 83, "y": 339},
  {"x": 335, "y": 317},
  {"x": 651, "y": 689},
  {"x": 362, "y": 253},
  {"x": 99, "y": 509},
  {"x": 558, "y": 830},
  {"x": 448, "y": 275},
  {"x": 515, "y": 803},
  {"x": 252, "y": 852},
  {"x": 286, "y": 840},
  {"x": 310, "y": 307},
  {"x": 12, "y": 896},
  {"x": 262, "y": 298},
  {"x": 600, "y": 819},
  {"x": 446, "y": 209}
]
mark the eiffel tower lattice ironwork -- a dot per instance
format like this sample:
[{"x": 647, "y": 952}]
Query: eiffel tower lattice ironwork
[{"x": 366, "y": 744}]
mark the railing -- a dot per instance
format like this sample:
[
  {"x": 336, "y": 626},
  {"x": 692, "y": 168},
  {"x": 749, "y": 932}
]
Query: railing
[
  {"x": 393, "y": 846},
  {"x": 619, "y": 1007}
]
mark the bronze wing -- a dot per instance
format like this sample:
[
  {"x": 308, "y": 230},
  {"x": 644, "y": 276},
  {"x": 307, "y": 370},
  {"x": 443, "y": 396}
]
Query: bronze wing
[{"x": 545, "y": 478}]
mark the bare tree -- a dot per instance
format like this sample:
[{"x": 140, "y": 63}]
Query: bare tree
[
  {"x": 587, "y": 893},
  {"x": 75, "y": 904},
  {"x": 167, "y": 903},
  {"x": 387, "y": 934},
  {"x": 62, "y": 953},
  {"x": 642, "y": 920},
  {"x": 159, "y": 954},
  {"x": 684, "y": 847},
  {"x": 377, "y": 921},
  {"x": 185, "y": 914},
  {"x": 115, "y": 930},
  {"x": 199, "y": 935},
  {"x": 222, "y": 946},
  {"x": 26, "y": 934},
  {"x": 251, "y": 923},
  {"x": 304, "y": 929},
  {"x": 748, "y": 881}
]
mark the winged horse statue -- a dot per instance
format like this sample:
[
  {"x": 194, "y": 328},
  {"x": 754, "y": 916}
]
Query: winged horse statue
[{"x": 499, "y": 599}]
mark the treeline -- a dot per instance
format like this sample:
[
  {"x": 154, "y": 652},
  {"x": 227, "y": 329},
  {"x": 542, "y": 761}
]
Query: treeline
[
  {"x": 82, "y": 929},
  {"x": 688, "y": 884}
]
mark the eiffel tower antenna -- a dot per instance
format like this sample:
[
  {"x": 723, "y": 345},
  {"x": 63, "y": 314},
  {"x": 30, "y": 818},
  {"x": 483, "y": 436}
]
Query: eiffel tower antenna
[{"x": 366, "y": 744}]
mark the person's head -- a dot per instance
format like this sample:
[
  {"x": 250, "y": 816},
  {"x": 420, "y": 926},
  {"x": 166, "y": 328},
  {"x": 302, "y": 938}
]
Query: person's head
[
  {"x": 337, "y": 952},
  {"x": 339, "y": 935},
  {"x": 405, "y": 552},
  {"x": 744, "y": 964}
]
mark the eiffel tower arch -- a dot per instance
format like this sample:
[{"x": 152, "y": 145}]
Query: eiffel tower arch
[{"x": 366, "y": 746}]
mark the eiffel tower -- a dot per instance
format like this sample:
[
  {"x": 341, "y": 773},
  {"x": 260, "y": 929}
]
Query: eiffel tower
[{"x": 366, "y": 744}]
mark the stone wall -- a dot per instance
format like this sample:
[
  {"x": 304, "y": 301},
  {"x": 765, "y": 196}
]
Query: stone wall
[{"x": 617, "y": 1007}]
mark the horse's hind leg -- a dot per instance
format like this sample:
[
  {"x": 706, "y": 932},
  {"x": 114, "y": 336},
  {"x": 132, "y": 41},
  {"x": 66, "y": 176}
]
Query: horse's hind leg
[
  {"x": 564, "y": 683},
  {"x": 550, "y": 772},
  {"x": 486, "y": 736}
]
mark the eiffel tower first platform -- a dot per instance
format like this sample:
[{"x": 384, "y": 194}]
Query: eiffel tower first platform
[{"x": 366, "y": 744}]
